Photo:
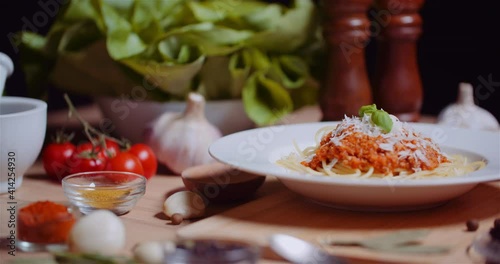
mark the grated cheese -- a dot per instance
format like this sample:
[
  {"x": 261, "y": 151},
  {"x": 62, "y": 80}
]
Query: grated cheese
[{"x": 401, "y": 133}]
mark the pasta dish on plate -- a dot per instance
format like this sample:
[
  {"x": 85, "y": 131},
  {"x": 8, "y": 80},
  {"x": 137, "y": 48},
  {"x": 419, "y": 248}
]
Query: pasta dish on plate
[{"x": 376, "y": 144}]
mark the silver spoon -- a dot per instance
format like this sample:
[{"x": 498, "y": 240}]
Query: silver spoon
[{"x": 297, "y": 250}]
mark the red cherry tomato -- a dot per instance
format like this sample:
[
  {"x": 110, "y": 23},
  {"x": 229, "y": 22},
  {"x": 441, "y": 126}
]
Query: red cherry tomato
[
  {"x": 86, "y": 161},
  {"x": 147, "y": 158},
  {"x": 112, "y": 148},
  {"x": 54, "y": 159},
  {"x": 125, "y": 161}
]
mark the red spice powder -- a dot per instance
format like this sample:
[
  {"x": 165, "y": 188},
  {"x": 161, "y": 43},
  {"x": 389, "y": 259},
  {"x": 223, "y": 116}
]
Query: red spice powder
[{"x": 45, "y": 222}]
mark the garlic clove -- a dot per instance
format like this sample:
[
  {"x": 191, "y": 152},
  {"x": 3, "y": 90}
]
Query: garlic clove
[
  {"x": 181, "y": 140},
  {"x": 184, "y": 204},
  {"x": 465, "y": 113},
  {"x": 152, "y": 252}
]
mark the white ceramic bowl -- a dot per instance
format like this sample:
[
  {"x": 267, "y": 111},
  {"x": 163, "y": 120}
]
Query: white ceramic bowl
[
  {"x": 131, "y": 118},
  {"x": 23, "y": 122}
]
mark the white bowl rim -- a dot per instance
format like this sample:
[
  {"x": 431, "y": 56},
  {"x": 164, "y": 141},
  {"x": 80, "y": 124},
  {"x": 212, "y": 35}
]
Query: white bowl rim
[{"x": 37, "y": 103}]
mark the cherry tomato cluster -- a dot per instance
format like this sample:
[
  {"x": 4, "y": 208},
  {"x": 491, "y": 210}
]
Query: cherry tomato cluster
[{"x": 61, "y": 158}]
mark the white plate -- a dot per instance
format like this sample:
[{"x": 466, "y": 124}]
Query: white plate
[{"x": 257, "y": 150}]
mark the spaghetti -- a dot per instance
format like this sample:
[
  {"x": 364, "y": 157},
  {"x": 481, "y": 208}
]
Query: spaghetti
[{"x": 358, "y": 148}]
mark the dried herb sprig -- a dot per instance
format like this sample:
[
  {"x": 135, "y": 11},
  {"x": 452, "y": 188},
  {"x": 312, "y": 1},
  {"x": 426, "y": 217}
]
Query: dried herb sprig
[{"x": 403, "y": 242}]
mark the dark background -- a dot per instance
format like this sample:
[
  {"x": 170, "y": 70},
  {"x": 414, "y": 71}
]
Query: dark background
[{"x": 460, "y": 43}]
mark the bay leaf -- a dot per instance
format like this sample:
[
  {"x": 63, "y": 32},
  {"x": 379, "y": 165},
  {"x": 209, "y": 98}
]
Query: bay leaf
[
  {"x": 419, "y": 249},
  {"x": 400, "y": 242},
  {"x": 395, "y": 238}
]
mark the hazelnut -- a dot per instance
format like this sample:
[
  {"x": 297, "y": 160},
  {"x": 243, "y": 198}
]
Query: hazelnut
[{"x": 472, "y": 225}]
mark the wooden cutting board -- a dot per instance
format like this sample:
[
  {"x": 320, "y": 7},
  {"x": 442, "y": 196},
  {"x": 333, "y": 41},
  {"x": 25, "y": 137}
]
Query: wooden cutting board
[{"x": 281, "y": 211}]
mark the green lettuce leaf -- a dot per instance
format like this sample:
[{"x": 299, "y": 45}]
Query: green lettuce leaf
[
  {"x": 35, "y": 63},
  {"x": 122, "y": 42},
  {"x": 176, "y": 51},
  {"x": 265, "y": 100},
  {"x": 240, "y": 67},
  {"x": 290, "y": 70},
  {"x": 290, "y": 32},
  {"x": 174, "y": 79},
  {"x": 260, "y": 60},
  {"x": 91, "y": 71},
  {"x": 216, "y": 80},
  {"x": 236, "y": 14},
  {"x": 83, "y": 10},
  {"x": 78, "y": 36},
  {"x": 261, "y": 52}
]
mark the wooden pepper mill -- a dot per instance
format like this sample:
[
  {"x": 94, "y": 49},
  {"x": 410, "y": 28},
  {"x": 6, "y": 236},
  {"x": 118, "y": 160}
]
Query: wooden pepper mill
[
  {"x": 346, "y": 86},
  {"x": 397, "y": 84}
]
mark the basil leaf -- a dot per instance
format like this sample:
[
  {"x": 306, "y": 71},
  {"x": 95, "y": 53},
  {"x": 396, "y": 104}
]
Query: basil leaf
[
  {"x": 367, "y": 109},
  {"x": 382, "y": 119}
]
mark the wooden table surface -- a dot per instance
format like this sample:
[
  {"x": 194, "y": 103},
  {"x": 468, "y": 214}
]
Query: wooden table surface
[{"x": 275, "y": 209}]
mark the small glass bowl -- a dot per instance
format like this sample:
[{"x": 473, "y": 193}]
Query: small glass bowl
[
  {"x": 111, "y": 190},
  {"x": 50, "y": 235},
  {"x": 212, "y": 251}
]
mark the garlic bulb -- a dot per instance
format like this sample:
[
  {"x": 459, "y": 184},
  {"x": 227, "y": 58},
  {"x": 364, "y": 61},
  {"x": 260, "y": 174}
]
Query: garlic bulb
[
  {"x": 181, "y": 140},
  {"x": 465, "y": 113}
]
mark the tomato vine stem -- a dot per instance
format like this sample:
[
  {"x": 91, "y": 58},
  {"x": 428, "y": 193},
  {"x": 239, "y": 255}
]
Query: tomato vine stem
[{"x": 89, "y": 129}]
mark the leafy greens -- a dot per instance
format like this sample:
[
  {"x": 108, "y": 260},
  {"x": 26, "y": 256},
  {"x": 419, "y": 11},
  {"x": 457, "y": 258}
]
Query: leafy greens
[{"x": 224, "y": 49}]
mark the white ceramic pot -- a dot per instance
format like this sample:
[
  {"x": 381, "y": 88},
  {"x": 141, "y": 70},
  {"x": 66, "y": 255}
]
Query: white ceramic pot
[
  {"x": 6, "y": 69},
  {"x": 130, "y": 118},
  {"x": 23, "y": 122}
]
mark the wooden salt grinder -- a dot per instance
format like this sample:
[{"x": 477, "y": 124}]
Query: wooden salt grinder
[
  {"x": 397, "y": 84},
  {"x": 346, "y": 86}
]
